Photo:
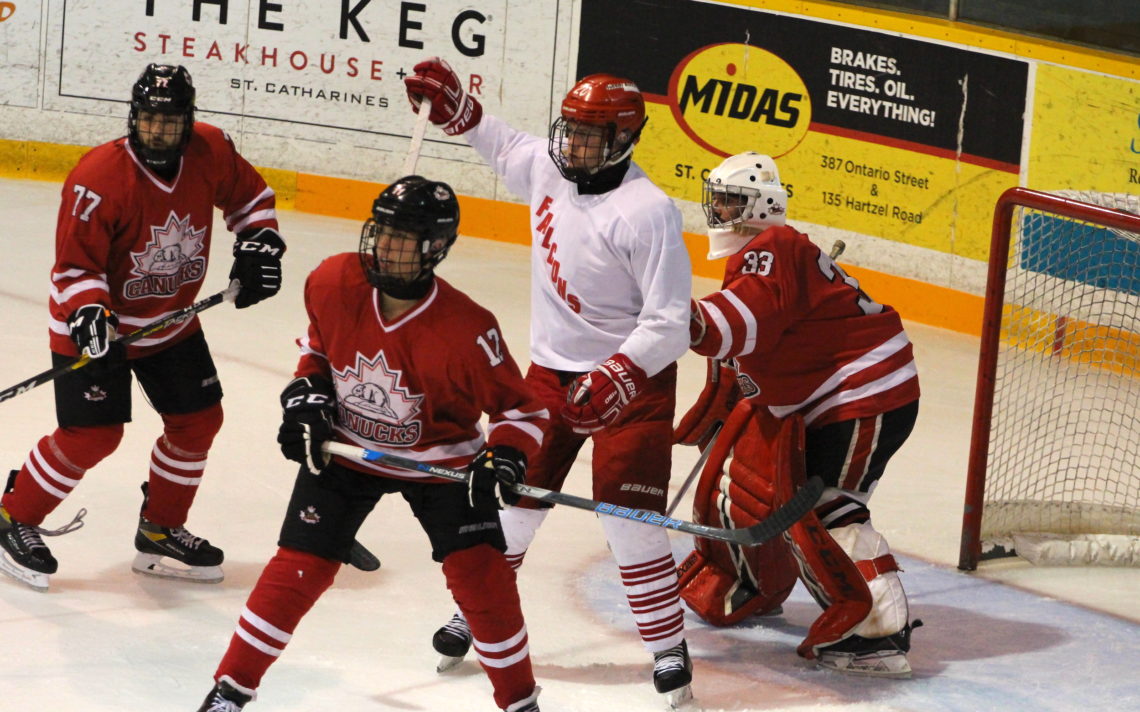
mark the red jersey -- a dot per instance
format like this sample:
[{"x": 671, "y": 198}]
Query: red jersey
[
  {"x": 139, "y": 245},
  {"x": 418, "y": 386},
  {"x": 804, "y": 337}
]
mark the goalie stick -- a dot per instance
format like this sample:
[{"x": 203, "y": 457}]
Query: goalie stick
[
  {"x": 226, "y": 295},
  {"x": 837, "y": 249},
  {"x": 773, "y": 525}
]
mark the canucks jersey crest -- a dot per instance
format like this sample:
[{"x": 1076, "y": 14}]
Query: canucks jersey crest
[
  {"x": 173, "y": 257},
  {"x": 372, "y": 403}
]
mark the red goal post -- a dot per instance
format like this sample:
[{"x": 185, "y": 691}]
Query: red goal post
[{"x": 1054, "y": 463}]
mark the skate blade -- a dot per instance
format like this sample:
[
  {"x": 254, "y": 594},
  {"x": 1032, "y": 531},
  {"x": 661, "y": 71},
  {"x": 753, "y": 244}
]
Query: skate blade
[
  {"x": 447, "y": 662},
  {"x": 163, "y": 567},
  {"x": 887, "y": 664},
  {"x": 32, "y": 579},
  {"x": 681, "y": 699}
]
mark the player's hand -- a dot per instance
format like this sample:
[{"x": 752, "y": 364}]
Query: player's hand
[
  {"x": 452, "y": 109},
  {"x": 257, "y": 265},
  {"x": 596, "y": 399},
  {"x": 720, "y": 395},
  {"x": 493, "y": 471},
  {"x": 92, "y": 328},
  {"x": 308, "y": 404}
]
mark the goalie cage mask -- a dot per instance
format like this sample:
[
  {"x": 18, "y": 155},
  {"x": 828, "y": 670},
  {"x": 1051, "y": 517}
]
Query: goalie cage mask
[
  {"x": 602, "y": 117},
  {"x": 428, "y": 211},
  {"x": 741, "y": 198},
  {"x": 161, "y": 89}
]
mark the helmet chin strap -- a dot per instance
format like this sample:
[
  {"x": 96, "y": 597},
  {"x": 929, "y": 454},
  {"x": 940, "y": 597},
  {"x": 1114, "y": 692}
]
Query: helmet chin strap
[{"x": 724, "y": 242}]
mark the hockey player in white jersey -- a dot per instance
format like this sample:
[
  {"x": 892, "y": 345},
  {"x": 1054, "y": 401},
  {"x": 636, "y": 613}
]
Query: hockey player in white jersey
[{"x": 610, "y": 288}]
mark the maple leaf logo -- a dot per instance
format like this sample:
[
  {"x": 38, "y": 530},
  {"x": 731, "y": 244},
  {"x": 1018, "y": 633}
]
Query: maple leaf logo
[
  {"x": 171, "y": 246},
  {"x": 373, "y": 390},
  {"x": 170, "y": 259}
]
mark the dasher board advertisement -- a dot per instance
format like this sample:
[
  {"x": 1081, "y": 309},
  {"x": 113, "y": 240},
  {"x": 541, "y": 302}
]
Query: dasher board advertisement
[
  {"x": 303, "y": 66},
  {"x": 905, "y": 139}
]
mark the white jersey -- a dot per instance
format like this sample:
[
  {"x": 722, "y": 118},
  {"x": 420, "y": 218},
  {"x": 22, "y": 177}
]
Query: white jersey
[{"x": 609, "y": 272}]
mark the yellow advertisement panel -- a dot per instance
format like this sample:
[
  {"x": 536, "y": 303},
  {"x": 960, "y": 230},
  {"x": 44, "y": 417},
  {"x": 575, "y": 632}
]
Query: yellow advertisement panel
[
  {"x": 1086, "y": 132},
  {"x": 900, "y": 138}
]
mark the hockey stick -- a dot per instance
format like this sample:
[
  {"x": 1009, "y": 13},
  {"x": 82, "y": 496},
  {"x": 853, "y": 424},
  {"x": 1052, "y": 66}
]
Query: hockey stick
[
  {"x": 696, "y": 468},
  {"x": 417, "y": 137},
  {"x": 362, "y": 558},
  {"x": 773, "y": 525},
  {"x": 177, "y": 317}
]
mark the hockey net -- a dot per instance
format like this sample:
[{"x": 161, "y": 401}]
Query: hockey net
[{"x": 1054, "y": 470}]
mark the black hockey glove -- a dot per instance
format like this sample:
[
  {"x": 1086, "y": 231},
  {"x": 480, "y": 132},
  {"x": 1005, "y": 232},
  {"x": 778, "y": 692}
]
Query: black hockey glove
[
  {"x": 257, "y": 265},
  {"x": 493, "y": 471},
  {"x": 92, "y": 328},
  {"x": 307, "y": 421}
]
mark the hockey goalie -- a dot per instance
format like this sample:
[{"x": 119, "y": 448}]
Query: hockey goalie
[{"x": 810, "y": 377}]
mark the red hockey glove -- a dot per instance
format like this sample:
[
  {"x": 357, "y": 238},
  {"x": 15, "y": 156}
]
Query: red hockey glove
[
  {"x": 493, "y": 471},
  {"x": 716, "y": 401},
  {"x": 453, "y": 109},
  {"x": 596, "y": 399}
]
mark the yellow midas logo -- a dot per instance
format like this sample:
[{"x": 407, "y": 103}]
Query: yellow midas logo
[{"x": 731, "y": 98}]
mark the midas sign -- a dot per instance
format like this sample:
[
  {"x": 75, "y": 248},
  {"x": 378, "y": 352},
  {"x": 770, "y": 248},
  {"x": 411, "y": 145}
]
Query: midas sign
[{"x": 731, "y": 98}]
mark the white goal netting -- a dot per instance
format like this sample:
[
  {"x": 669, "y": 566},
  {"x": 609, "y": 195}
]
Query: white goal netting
[{"x": 1063, "y": 474}]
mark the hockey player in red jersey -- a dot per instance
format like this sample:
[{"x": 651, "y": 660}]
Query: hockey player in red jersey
[
  {"x": 806, "y": 348},
  {"x": 610, "y": 287},
  {"x": 396, "y": 359},
  {"x": 132, "y": 245}
]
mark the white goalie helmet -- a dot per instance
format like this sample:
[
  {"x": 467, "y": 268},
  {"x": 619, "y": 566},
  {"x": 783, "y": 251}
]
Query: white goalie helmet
[{"x": 742, "y": 197}]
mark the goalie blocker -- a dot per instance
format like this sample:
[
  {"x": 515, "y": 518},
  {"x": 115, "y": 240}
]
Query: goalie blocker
[{"x": 756, "y": 464}]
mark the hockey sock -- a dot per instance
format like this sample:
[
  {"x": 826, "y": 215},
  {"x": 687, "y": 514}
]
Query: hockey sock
[
  {"x": 55, "y": 466},
  {"x": 519, "y": 527},
  {"x": 288, "y": 587},
  {"x": 649, "y": 575},
  {"x": 177, "y": 462},
  {"x": 483, "y": 585}
]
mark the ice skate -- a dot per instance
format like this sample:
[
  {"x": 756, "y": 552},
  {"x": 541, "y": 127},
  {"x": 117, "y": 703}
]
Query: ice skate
[
  {"x": 530, "y": 704},
  {"x": 874, "y": 657},
  {"x": 174, "y": 553},
  {"x": 672, "y": 673},
  {"x": 452, "y": 642},
  {"x": 23, "y": 554},
  {"x": 225, "y": 697}
]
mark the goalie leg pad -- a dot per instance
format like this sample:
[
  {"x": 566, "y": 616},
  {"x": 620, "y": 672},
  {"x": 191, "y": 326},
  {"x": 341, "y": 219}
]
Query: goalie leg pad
[
  {"x": 868, "y": 549},
  {"x": 721, "y": 582},
  {"x": 833, "y": 580}
]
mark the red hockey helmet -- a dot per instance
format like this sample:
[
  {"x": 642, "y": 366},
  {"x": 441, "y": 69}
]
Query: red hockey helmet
[{"x": 610, "y": 105}]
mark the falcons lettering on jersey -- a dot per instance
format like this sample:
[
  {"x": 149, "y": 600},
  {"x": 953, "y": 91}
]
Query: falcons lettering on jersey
[
  {"x": 546, "y": 229},
  {"x": 172, "y": 258},
  {"x": 373, "y": 405}
]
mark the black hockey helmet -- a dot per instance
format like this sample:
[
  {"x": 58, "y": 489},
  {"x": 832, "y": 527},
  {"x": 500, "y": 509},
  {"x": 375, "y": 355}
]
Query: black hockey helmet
[
  {"x": 161, "y": 89},
  {"x": 420, "y": 219}
]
